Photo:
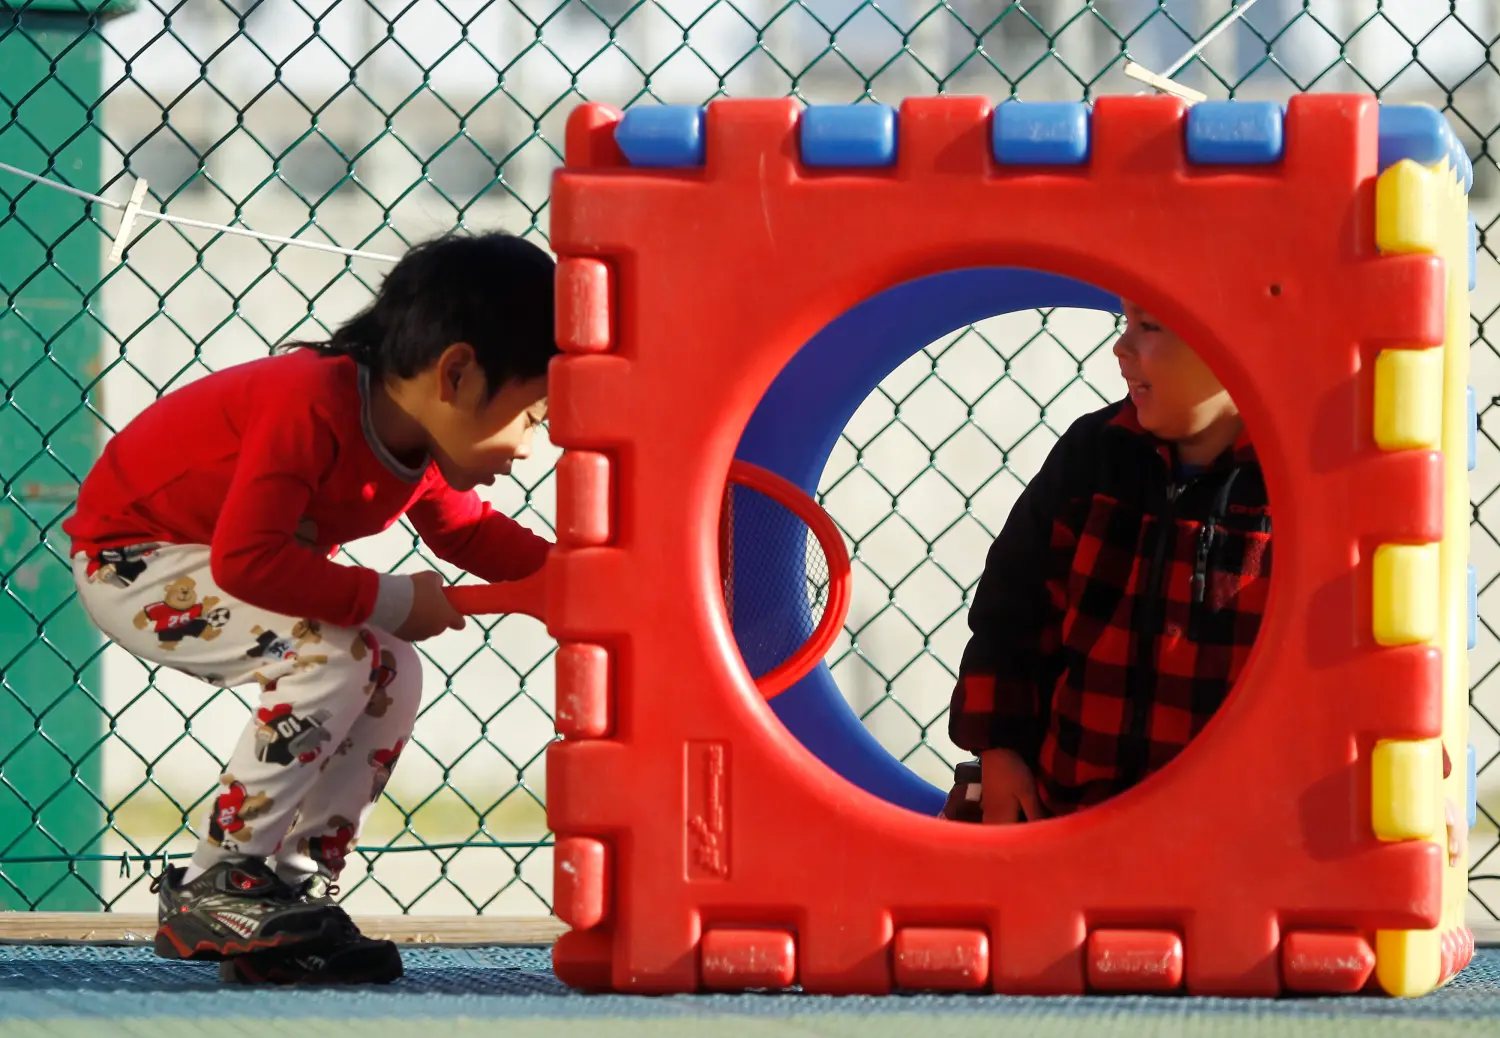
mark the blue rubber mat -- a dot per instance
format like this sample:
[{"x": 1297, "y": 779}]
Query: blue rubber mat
[{"x": 55, "y": 991}]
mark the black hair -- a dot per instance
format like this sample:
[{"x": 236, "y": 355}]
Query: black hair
[{"x": 493, "y": 291}]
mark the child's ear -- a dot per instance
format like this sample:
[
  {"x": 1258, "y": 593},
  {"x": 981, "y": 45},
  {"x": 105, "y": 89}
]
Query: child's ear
[{"x": 455, "y": 365}]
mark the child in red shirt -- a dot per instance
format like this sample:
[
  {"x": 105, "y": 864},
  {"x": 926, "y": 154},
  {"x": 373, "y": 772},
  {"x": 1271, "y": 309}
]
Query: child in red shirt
[{"x": 203, "y": 539}]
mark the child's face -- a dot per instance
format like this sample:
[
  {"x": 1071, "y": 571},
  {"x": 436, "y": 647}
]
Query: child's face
[
  {"x": 1175, "y": 394},
  {"x": 476, "y": 437}
]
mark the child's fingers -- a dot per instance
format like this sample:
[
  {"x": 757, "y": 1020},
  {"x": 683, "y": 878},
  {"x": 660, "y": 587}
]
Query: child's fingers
[
  {"x": 454, "y": 621},
  {"x": 1006, "y": 812},
  {"x": 996, "y": 813},
  {"x": 1456, "y": 831},
  {"x": 1032, "y": 805}
]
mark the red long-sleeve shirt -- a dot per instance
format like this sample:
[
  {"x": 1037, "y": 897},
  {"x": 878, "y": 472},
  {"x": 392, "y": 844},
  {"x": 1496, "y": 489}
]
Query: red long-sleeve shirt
[{"x": 272, "y": 464}]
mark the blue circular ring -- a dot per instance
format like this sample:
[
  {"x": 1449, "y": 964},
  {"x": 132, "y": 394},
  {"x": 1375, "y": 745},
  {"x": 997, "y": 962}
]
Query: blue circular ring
[{"x": 793, "y": 432}]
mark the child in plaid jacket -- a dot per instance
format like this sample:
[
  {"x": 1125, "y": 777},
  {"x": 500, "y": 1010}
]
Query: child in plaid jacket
[{"x": 1120, "y": 602}]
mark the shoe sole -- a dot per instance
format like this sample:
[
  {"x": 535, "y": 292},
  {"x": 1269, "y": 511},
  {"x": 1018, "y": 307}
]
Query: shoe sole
[
  {"x": 186, "y": 939},
  {"x": 379, "y": 964}
]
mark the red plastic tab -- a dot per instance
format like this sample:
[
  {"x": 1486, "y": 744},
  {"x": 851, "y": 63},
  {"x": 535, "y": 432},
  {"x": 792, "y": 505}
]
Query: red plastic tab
[
  {"x": 582, "y": 710},
  {"x": 1326, "y": 963},
  {"x": 579, "y": 882},
  {"x": 584, "y": 512},
  {"x": 590, "y": 137},
  {"x": 1134, "y": 960},
  {"x": 739, "y": 960},
  {"x": 583, "y": 306},
  {"x": 941, "y": 959}
]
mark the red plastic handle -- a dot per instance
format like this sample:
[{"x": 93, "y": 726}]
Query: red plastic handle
[
  {"x": 527, "y": 596},
  {"x": 836, "y": 609}
]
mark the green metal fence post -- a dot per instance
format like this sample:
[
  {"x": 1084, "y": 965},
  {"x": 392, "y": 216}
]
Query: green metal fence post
[{"x": 50, "y": 254}]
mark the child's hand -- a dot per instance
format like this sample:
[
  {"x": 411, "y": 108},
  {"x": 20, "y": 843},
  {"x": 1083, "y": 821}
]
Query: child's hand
[
  {"x": 1458, "y": 831},
  {"x": 431, "y": 612},
  {"x": 1007, "y": 789}
]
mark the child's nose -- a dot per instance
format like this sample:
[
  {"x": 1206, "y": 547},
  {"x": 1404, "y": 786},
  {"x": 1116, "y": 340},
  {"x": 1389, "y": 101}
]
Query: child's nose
[{"x": 1125, "y": 345}]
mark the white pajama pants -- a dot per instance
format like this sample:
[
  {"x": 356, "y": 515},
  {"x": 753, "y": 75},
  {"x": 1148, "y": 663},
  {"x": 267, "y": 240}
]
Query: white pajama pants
[{"x": 336, "y": 705}]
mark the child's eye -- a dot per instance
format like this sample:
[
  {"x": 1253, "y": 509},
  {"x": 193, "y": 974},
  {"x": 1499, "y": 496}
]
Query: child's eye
[{"x": 1147, "y": 326}]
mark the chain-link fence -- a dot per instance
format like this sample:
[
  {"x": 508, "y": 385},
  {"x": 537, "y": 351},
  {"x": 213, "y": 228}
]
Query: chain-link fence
[{"x": 373, "y": 123}]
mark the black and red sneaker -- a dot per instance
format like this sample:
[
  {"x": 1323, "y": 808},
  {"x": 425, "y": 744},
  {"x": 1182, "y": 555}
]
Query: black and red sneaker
[
  {"x": 235, "y": 908},
  {"x": 351, "y": 958}
]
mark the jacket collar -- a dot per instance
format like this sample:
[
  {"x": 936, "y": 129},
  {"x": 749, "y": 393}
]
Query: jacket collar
[{"x": 1241, "y": 452}]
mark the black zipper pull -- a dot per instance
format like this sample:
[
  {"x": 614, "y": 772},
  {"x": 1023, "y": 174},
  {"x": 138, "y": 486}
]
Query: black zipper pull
[{"x": 1200, "y": 562}]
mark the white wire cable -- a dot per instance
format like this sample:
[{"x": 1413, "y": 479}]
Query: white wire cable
[
  {"x": 1208, "y": 37},
  {"x": 316, "y": 246},
  {"x": 60, "y": 187},
  {"x": 146, "y": 214},
  {"x": 1163, "y": 81}
]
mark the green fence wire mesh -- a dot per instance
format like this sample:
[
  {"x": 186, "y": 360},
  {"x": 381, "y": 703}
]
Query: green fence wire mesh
[{"x": 374, "y": 123}]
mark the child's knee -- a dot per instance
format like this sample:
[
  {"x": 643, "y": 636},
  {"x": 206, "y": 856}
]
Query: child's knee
[
  {"x": 391, "y": 672},
  {"x": 404, "y": 662}
]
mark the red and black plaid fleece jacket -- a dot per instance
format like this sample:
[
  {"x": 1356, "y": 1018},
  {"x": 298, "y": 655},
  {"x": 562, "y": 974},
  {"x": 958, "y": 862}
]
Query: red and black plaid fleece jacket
[{"x": 1116, "y": 609}]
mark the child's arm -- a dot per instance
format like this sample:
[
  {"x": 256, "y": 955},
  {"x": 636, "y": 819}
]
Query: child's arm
[
  {"x": 285, "y": 454},
  {"x": 465, "y": 531},
  {"x": 1002, "y": 697}
]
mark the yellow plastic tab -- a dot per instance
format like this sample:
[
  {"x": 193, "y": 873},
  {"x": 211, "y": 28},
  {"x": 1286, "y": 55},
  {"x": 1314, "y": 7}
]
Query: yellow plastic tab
[
  {"x": 1408, "y": 963},
  {"x": 1425, "y": 211},
  {"x": 1408, "y": 217},
  {"x": 1409, "y": 399},
  {"x": 1406, "y": 590},
  {"x": 1404, "y": 800}
]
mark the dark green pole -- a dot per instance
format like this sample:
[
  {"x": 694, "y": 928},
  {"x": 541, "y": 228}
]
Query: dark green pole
[{"x": 51, "y": 252}]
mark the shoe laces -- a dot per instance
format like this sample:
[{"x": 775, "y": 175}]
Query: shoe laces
[{"x": 318, "y": 886}]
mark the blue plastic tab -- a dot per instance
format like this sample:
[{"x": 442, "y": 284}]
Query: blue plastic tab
[
  {"x": 1040, "y": 133},
  {"x": 1473, "y": 596},
  {"x": 1472, "y": 807},
  {"x": 1416, "y": 132},
  {"x": 1235, "y": 133},
  {"x": 1473, "y": 427},
  {"x": 1473, "y": 253},
  {"x": 664, "y": 136},
  {"x": 848, "y": 135}
]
